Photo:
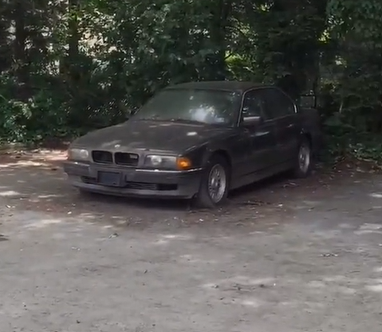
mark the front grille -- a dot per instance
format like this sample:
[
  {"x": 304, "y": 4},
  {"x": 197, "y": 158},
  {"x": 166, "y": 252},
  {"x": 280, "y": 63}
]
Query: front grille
[
  {"x": 137, "y": 185},
  {"x": 88, "y": 180},
  {"x": 126, "y": 159},
  {"x": 150, "y": 186},
  {"x": 102, "y": 157}
]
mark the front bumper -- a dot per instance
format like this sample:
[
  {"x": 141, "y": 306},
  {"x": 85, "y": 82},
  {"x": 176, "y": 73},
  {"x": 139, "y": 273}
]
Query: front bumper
[{"x": 135, "y": 182}]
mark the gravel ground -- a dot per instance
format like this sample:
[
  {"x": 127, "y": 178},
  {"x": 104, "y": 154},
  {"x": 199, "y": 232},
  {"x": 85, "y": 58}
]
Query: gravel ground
[{"x": 281, "y": 256}]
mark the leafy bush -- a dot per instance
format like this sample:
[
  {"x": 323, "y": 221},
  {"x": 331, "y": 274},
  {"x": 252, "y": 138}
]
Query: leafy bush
[{"x": 67, "y": 69}]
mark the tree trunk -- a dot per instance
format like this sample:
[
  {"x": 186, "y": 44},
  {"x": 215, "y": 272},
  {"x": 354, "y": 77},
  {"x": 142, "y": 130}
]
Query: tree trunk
[
  {"x": 20, "y": 41},
  {"x": 218, "y": 34},
  {"x": 5, "y": 51},
  {"x": 68, "y": 61},
  {"x": 73, "y": 39}
]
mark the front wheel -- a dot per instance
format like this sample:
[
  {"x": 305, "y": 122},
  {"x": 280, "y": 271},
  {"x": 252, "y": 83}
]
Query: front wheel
[
  {"x": 303, "y": 164},
  {"x": 214, "y": 183}
]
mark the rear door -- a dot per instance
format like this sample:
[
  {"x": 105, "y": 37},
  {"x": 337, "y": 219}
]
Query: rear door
[
  {"x": 262, "y": 136},
  {"x": 284, "y": 112}
]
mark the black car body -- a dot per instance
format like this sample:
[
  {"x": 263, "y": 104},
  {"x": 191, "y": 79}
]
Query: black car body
[{"x": 171, "y": 146}]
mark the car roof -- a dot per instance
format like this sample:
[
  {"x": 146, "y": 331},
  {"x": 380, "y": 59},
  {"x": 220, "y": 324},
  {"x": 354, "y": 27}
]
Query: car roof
[{"x": 218, "y": 85}]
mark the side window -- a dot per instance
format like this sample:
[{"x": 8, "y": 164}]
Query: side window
[
  {"x": 278, "y": 104},
  {"x": 254, "y": 104}
]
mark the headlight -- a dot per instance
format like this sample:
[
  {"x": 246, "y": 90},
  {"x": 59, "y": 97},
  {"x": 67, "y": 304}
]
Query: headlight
[
  {"x": 167, "y": 162},
  {"x": 78, "y": 154}
]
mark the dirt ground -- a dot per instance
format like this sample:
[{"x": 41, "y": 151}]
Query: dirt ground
[{"x": 282, "y": 255}]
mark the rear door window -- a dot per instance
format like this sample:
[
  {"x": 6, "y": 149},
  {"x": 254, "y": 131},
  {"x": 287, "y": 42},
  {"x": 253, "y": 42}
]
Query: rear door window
[{"x": 279, "y": 105}]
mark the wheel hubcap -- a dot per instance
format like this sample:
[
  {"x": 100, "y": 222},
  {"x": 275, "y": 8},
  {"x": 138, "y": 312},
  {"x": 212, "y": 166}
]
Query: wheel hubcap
[
  {"x": 304, "y": 158},
  {"x": 217, "y": 183}
]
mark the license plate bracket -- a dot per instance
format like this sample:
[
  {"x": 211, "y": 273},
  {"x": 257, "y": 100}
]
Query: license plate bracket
[{"x": 109, "y": 179}]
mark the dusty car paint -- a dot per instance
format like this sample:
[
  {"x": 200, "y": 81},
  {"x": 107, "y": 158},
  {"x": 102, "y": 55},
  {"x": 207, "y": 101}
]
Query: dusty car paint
[{"x": 253, "y": 152}]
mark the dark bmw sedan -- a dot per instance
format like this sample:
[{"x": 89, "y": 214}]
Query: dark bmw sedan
[{"x": 198, "y": 140}]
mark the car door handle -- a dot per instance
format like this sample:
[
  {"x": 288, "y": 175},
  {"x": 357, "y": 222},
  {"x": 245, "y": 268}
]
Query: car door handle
[
  {"x": 257, "y": 133},
  {"x": 262, "y": 133},
  {"x": 291, "y": 125}
]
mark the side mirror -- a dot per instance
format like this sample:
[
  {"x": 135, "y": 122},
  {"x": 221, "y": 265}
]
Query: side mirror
[
  {"x": 252, "y": 120},
  {"x": 307, "y": 101}
]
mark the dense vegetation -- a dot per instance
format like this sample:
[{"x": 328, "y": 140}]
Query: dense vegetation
[{"x": 70, "y": 66}]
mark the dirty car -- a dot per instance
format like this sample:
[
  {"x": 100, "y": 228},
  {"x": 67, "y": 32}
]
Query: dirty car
[{"x": 198, "y": 140}]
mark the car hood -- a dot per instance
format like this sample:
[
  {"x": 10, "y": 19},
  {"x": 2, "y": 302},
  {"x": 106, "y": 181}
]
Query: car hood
[{"x": 150, "y": 136}]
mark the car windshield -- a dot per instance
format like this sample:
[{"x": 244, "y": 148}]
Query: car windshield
[{"x": 192, "y": 105}]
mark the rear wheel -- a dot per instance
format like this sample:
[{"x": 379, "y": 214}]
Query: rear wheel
[
  {"x": 303, "y": 164},
  {"x": 214, "y": 184}
]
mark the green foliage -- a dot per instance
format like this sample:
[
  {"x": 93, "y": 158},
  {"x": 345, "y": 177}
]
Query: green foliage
[
  {"x": 352, "y": 84},
  {"x": 68, "y": 68}
]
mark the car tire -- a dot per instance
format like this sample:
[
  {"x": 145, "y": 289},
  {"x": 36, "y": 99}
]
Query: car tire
[
  {"x": 304, "y": 159},
  {"x": 214, "y": 184}
]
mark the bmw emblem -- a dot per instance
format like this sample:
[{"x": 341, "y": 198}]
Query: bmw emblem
[{"x": 117, "y": 146}]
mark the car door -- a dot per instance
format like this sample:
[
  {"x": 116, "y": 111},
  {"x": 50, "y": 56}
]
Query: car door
[
  {"x": 283, "y": 111},
  {"x": 262, "y": 136}
]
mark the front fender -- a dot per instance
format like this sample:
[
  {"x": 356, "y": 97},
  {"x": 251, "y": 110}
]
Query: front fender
[
  {"x": 223, "y": 147},
  {"x": 197, "y": 155},
  {"x": 202, "y": 153}
]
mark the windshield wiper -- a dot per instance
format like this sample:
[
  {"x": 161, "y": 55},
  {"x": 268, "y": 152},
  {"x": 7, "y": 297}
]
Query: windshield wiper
[
  {"x": 185, "y": 121},
  {"x": 180, "y": 120},
  {"x": 152, "y": 118}
]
